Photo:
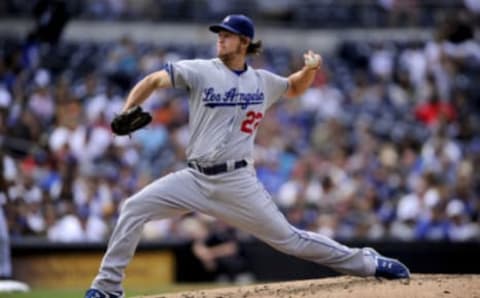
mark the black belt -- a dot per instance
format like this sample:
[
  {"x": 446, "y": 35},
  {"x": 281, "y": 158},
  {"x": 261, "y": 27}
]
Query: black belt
[{"x": 217, "y": 169}]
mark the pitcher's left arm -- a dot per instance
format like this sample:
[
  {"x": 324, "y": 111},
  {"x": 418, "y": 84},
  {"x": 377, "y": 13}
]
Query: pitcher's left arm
[{"x": 301, "y": 80}]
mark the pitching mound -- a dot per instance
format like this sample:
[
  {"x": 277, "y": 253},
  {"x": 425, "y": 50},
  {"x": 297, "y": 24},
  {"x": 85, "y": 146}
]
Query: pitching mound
[{"x": 421, "y": 286}]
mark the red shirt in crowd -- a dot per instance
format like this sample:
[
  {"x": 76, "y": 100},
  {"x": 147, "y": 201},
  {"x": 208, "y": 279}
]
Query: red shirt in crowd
[{"x": 432, "y": 112}]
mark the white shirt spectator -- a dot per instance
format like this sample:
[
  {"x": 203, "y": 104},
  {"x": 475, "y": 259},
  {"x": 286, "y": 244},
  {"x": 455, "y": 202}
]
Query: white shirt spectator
[
  {"x": 66, "y": 229},
  {"x": 58, "y": 138},
  {"x": 416, "y": 63},
  {"x": 89, "y": 143},
  {"x": 36, "y": 221},
  {"x": 325, "y": 101},
  {"x": 95, "y": 106},
  {"x": 381, "y": 63},
  {"x": 69, "y": 229},
  {"x": 85, "y": 144},
  {"x": 327, "y": 225},
  {"x": 32, "y": 194},
  {"x": 290, "y": 191},
  {"x": 461, "y": 228},
  {"x": 42, "y": 105},
  {"x": 408, "y": 210},
  {"x": 9, "y": 168},
  {"x": 473, "y": 6},
  {"x": 80, "y": 191},
  {"x": 433, "y": 53},
  {"x": 435, "y": 150},
  {"x": 96, "y": 230},
  {"x": 99, "y": 197},
  {"x": 409, "y": 207},
  {"x": 5, "y": 97},
  {"x": 102, "y": 200},
  {"x": 434, "y": 50},
  {"x": 402, "y": 230},
  {"x": 114, "y": 106},
  {"x": 431, "y": 198},
  {"x": 467, "y": 49}
]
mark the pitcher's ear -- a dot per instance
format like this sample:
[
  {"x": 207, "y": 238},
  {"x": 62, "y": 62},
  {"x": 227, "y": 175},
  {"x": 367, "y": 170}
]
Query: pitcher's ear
[{"x": 244, "y": 40}]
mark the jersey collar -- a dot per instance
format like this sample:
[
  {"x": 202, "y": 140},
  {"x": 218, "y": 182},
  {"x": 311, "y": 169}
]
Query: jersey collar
[
  {"x": 239, "y": 72},
  {"x": 236, "y": 72}
]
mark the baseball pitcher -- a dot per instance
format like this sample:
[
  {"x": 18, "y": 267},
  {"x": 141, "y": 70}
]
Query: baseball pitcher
[{"x": 227, "y": 100}]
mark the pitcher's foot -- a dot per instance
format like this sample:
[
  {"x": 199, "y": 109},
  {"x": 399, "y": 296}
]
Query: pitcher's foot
[
  {"x": 389, "y": 268},
  {"x": 96, "y": 293}
]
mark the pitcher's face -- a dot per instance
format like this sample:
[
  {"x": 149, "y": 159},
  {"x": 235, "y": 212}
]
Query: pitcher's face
[{"x": 228, "y": 44}]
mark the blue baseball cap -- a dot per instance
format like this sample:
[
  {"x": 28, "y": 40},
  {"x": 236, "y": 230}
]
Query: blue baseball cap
[{"x": 236, "y": 23}]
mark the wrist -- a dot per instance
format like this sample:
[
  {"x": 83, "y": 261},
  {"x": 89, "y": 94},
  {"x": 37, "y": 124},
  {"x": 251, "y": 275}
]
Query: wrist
[
  {"x": 126, "y": 108},
  {"x": 311, "y": 68}
]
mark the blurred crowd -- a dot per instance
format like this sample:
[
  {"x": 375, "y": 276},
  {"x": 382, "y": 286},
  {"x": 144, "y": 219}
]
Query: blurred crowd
[
  {"x": 384, "y": 145},
  {"x": 291, "y": 13}
]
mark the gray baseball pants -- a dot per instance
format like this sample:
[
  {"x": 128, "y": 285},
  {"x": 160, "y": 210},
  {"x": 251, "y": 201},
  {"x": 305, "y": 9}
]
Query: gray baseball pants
[{"x": 236, "y": 197}]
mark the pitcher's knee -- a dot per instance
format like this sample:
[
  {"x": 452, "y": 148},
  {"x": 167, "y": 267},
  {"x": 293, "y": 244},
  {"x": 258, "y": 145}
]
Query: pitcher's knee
[{"x": 132, "y": 206}]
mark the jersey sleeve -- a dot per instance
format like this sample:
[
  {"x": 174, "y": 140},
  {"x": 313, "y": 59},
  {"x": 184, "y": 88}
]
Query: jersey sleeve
[
  {"x": 183, "y": 74},
  {"x": 275, "y": 86}
]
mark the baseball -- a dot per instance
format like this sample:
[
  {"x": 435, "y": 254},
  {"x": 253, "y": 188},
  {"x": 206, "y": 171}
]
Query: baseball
[{"x": 312, "y": 60}]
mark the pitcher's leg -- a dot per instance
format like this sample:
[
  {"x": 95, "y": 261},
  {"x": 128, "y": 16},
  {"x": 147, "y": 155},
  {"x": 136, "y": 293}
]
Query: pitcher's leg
[
  {"x": 326, "y": 251},
  {"x": 272, "y": 228},
  {"x": 248, "y": 206},
  {"x": 161, "y": 199}
]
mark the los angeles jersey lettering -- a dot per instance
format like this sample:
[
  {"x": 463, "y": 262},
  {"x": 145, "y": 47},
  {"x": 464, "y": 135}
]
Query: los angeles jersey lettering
[
  {"x": 224, "y": 108},
  {"x": 232, "y": 97}
]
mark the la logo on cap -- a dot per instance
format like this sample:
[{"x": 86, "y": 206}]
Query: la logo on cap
[{"x": 227, "y": 18}]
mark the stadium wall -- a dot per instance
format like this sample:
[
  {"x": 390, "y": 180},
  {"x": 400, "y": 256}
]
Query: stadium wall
[{"x": 52, "y": 265}]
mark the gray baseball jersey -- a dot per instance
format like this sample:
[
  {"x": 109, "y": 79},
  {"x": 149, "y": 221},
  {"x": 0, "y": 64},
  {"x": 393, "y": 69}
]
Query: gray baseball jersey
[{"x": 225, "y": 109}]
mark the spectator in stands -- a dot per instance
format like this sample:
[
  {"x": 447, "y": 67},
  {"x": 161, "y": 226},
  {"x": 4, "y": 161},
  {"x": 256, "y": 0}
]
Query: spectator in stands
[
  {"x": 41, "y": 102},
  {"x": 435, "y": 111},
  {"x": 441, "y": 154},
  {"x": 302, "y": 188},
  {"x": 460, "y": 226},
  {"x": 434, "y": 226},
  {"x": 77, "y": 226},
  {"x": 220, "y": 253},
  {"x": 403, "y": 227},
  {"x": 323, "y": 100}
]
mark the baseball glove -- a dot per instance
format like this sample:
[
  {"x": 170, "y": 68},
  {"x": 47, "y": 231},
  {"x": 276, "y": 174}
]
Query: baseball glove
[{"x": 130, "y": 121}]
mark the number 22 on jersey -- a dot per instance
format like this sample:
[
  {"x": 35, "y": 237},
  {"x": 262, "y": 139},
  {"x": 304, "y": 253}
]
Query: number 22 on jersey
[{"x": 252, "y": 120}]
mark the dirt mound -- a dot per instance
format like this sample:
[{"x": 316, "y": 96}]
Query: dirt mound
[{"x": 420, "y": 285}]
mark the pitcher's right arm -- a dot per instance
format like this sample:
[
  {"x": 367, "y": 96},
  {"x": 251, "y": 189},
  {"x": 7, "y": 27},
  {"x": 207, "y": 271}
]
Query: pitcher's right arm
[{"x": 144, "y": 88}]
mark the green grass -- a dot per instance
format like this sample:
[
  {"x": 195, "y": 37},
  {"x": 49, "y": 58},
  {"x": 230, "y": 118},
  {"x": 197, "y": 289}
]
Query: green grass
[
  {"x": 78, "y": 293},
  {"x": 66, "y": 293}
]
